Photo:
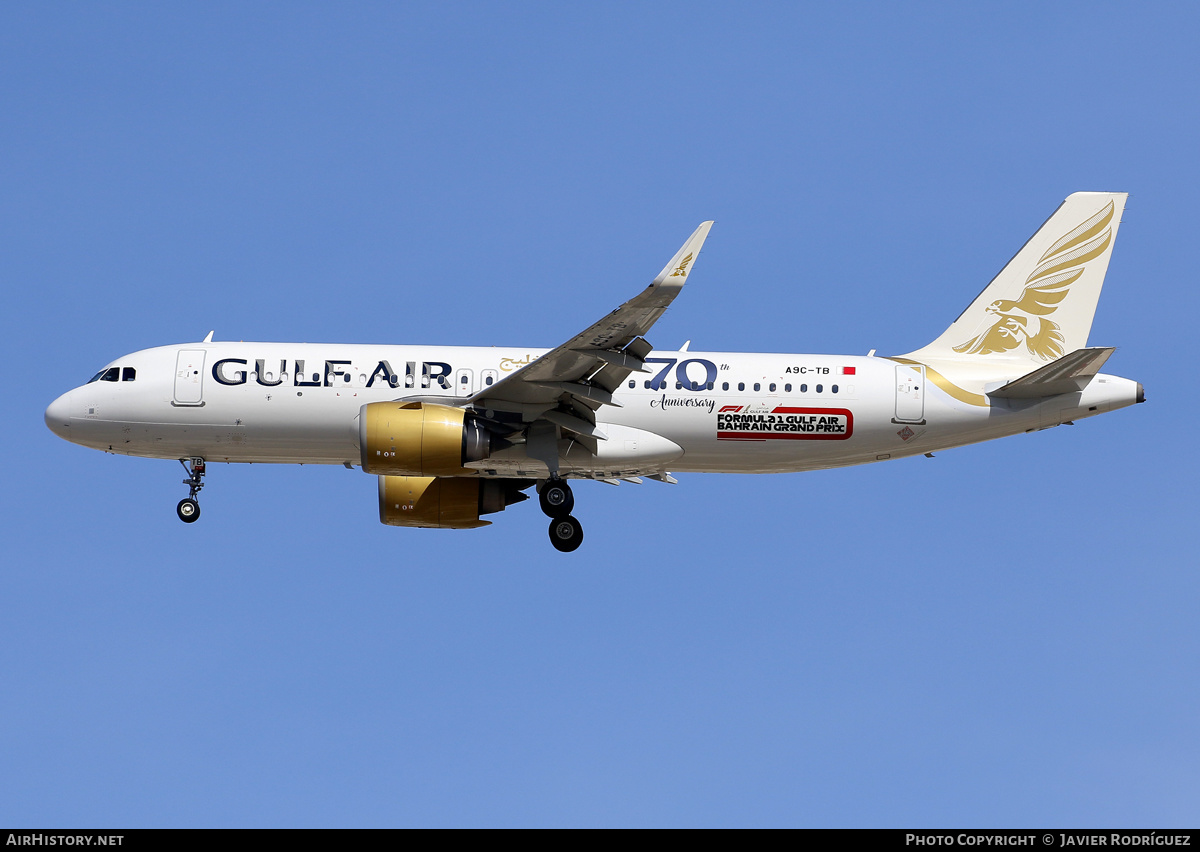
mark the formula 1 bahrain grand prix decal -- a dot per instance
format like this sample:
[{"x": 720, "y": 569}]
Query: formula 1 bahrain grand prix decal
[{"x": 783, "y": 422}]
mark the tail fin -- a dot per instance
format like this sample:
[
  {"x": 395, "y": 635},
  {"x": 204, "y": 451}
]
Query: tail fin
[{"x": 1042, "y": 303}]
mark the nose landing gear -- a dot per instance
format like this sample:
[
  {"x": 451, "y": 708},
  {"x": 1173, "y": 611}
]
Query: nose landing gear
[
  {"x": 188, "y": 509},
  {"x": 557, "y": 501}
]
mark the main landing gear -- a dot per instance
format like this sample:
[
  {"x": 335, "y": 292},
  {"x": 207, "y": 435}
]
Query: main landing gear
[
  {"x": 188, "y": 509},
  {"x": 557, "y": 501}
]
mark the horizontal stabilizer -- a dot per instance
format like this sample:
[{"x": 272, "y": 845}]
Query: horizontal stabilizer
[{"x": 1068, "y": 374}]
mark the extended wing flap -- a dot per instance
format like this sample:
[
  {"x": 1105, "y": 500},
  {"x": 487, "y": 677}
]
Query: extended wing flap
[{"x": 1068, "y": 374}]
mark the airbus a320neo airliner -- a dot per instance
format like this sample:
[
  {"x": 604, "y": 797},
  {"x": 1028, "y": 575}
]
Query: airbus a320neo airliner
[{"x": 456, "y": 433}]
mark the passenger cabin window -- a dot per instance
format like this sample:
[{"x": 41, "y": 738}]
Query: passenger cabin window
[
  {"x": 834, "y": 388},
  {"x": 772, "y": 387},
  {"x": 803, "y": 388},
  {"x": 741, "y": 386},
  {"x": 632, "y": 383},
  {"x": 818, "y": 388},
  {"x": 787, "y": 388},
  {"x": 488, "y": 381},
  {"x": 128, "y": 374},
  {"x": 757, "y": 386},
  {"x": 724, "y": 385}
]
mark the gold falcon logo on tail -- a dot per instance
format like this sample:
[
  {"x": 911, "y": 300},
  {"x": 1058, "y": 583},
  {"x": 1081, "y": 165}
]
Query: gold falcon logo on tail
[
  {"x": 1025, "y": 320},
  {"x": 683, "y": 265}
]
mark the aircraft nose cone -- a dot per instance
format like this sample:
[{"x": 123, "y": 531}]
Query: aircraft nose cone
[{"x": 58, "y": 416}]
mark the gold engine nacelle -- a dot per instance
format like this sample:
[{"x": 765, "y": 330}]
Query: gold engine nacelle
[
  {"x": 452, "y": 503},
  {"x": 419, "y": 439}
]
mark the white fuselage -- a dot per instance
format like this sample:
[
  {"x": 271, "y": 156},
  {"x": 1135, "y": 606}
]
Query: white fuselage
[{"x": 694, "y": 412}]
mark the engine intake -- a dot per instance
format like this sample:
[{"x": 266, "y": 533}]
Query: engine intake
[
  {"x": 453, "y": 503},
  {"x": 420, "y": 439}
]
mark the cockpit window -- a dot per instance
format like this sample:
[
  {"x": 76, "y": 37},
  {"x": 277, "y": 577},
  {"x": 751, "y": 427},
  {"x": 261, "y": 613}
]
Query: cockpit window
[
  {"x": 128, "y": 374},
  {"x": 96, "y": 377},
  {"x": 112, "y": 374}
]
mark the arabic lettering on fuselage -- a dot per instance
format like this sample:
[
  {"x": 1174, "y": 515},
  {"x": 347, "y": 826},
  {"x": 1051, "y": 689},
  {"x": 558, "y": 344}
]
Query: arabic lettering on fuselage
[{"x": 510, "y": 364}]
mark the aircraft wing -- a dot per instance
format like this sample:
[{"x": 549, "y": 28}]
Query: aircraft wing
[{"x": 570, "y": 382}]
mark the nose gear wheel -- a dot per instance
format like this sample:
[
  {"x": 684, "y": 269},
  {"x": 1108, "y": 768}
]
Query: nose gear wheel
[{"x": 188, "y": 509}]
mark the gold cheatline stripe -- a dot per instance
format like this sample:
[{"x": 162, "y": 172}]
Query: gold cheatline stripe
[{"x": 945, "y": 384}]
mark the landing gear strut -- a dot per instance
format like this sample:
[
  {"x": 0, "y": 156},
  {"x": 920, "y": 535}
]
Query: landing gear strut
[
  {"x": 557, "y": 501},
  {"x": 188, "y": 509}
]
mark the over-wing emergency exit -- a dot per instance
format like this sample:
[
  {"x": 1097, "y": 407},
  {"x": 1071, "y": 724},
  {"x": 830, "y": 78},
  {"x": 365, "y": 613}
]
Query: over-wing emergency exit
[{"x": 456, "y": 433}]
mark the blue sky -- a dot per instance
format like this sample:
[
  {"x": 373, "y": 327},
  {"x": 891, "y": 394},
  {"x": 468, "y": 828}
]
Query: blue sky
[{"x": 1003, "y": 635}]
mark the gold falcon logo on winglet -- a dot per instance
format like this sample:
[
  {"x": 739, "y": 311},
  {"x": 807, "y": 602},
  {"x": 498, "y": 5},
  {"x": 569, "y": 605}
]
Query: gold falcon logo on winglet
[
  {"x": 681, "y": 270},
  {"x": 1025, "y": 320}
]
